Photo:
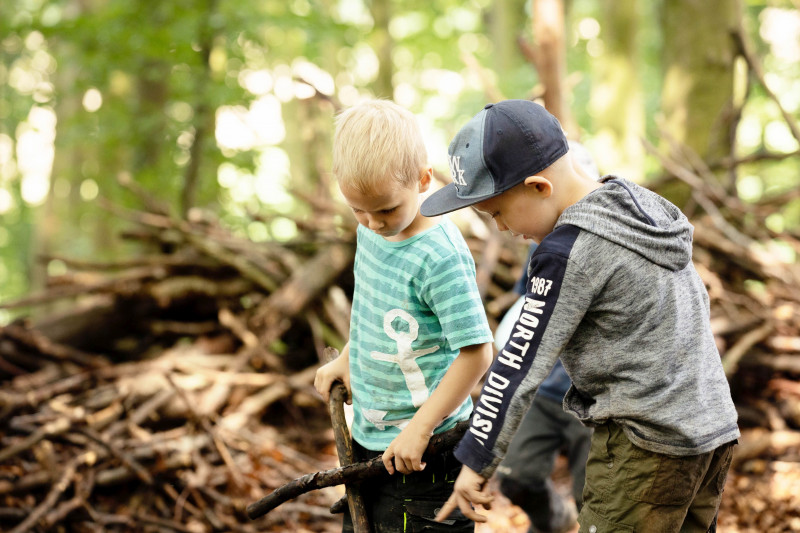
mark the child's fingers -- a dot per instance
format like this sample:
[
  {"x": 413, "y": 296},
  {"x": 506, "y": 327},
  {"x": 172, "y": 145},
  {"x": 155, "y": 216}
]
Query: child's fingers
[
  {"x": 387, "y": 461},
  {"x": 470, "y": 512},
  {"x": 401, "y": 465},
  {"x": 448, "y": 507},
  {"x": 408, "y": 466},
  {"x": 464, "y": 504},
  {"x": 471, "y": 489},
  {"x": 346, "y": 381},
  {"x": 414, "y": 464},
  {"x": 482, "y": 497},
  {"x": 323, "y": 386}
]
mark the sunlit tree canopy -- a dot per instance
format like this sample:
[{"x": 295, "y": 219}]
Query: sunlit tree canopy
[{"x": 218, "y": 105}]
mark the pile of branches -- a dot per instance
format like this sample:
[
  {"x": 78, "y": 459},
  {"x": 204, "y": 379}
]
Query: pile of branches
[
  {"x": 166, "y": 392},
  {"x": 753, "y": 279},
  {"x": 169, "y": 391},
  {"x": 751, "y": 271}
]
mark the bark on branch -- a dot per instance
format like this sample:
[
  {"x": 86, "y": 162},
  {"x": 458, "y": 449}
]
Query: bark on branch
[{"x": 354, "y": 473}]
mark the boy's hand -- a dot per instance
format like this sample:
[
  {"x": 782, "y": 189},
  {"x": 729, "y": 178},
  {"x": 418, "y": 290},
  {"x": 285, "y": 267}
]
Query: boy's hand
[
  {"x": 470, "y": 489},
  {"x": 336, "y": 370},
  {"x": 406, "y": 449}
]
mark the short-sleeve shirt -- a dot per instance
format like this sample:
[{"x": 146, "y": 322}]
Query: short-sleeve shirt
[{"x": 415, "y": 304}]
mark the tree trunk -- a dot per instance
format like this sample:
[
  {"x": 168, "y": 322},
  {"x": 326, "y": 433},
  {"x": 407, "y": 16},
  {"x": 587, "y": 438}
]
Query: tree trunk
[
  {"x": 699, "y": 55},
  {"x": 68, "y": 160},
  {"x": 204, "y": 117},
  {"x": 616, "y": 99},
  {"x": 382, "y": 45},
  {"x": 502, "y": 29}
]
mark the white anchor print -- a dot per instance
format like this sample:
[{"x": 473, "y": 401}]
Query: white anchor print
[
  {"x": 406, "y": 359},
  {"x": 375, "y": 417}
]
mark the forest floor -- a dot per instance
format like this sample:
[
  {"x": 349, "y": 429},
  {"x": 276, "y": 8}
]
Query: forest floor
[{"x": 761, "y": 496}]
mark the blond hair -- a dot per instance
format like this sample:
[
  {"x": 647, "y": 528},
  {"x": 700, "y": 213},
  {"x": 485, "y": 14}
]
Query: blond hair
[{"x": 377, "y": 140}]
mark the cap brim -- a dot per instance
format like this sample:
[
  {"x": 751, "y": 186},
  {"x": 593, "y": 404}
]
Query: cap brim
[{"x": 446, "y": 200}]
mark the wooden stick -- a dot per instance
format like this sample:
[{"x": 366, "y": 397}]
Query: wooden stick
[
  {"x": 344, "y": 447},
  {"x": 108, "y": 285},
  {"x": 84, "y": 483},
  {"x": 347, "y": 474},
  {"x": 67, "y": 477},
  {"x": 59, "y": 352},
  {"x": 57, "y": 427},
  {"x": 758, "y": 71},
  {"x": 730, "y": 361},
  {"x": 276, "y": 312},
  {"x": 124, "y": 457},
  {"x": 756, "y": 442}
]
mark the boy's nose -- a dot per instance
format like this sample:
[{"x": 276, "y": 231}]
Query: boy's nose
[
  {"x": 375, "y": 224},
  {"x": 500, "y": 225}
]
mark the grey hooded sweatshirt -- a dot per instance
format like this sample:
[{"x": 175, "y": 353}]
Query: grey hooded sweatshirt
[{"x": 613, "y": 292}]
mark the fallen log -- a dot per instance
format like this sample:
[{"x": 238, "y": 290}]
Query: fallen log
[{"x": 349, "y": 474}]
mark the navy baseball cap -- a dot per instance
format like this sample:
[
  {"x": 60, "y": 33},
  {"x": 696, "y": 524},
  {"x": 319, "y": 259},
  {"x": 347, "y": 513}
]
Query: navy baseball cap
[{"x": 497, "y": 149}]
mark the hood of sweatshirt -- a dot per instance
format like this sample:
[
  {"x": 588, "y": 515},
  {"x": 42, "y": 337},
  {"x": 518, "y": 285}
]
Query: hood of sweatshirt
[{"x": 638, "y": 219}]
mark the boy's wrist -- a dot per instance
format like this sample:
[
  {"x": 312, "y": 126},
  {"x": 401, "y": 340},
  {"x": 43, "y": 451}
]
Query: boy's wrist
[
  {"x": 472, "y": 453},
  {"x": 423, "y": 426}
]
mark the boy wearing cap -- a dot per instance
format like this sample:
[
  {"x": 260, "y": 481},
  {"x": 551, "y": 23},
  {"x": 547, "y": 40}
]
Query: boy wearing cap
[
  {"x": 419, "y": 338},
  {"x": 611, "y": 291},
  {"x": 546, "y": 430}
]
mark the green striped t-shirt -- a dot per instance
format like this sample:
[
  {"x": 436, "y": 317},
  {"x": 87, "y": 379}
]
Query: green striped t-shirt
[{"x": 415, "y": 304}]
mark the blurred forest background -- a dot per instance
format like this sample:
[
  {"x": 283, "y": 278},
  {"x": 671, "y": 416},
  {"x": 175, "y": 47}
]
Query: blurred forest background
[{"x": 174, "y": 256}]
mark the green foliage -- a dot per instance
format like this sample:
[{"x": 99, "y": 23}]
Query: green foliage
[{"x": 132, "y": 85}]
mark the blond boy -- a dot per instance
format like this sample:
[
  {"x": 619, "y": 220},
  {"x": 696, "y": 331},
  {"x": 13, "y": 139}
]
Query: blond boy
[{"x": 419, "y": 339}]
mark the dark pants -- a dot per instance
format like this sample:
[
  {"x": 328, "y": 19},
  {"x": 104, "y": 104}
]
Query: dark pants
[
  {"x": 409, "y": 503},
  {"x": 632, "y": 489},
  {"x": 525, "y": 471}
]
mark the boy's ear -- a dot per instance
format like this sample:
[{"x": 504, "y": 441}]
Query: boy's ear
[
  {"x": 541, "y": 184},
  {"x": 425, "y": 177}
]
